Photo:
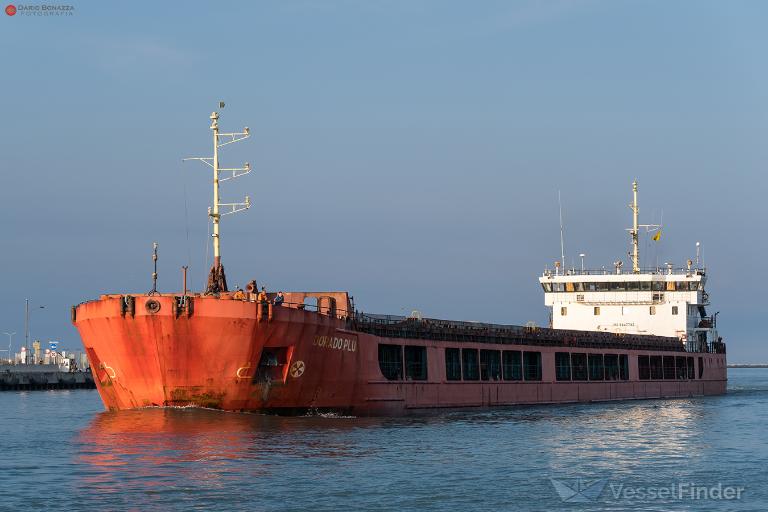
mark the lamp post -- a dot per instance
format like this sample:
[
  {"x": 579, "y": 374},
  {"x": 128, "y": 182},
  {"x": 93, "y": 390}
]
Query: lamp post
[
  {"x": 582, "y": 261},
  {"x": 26, "y": 324},
  {"x": 10, "y": 340}
]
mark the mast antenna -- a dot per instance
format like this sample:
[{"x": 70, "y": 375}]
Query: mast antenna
[
  {"x": 217, "y": 281},
  {"x": 562, "y": 244},
  {"x": 153, "y": 291},
  {"x": 698, "y": 254},
  {"x": 634, "y": 231}
]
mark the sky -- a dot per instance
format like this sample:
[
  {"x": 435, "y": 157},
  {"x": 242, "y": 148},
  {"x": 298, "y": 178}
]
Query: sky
[{"x": 410, "y": 152}]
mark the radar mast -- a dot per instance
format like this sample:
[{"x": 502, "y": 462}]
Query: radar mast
[
  {"x": 634, "y": 231},
  {"x": 217, "y": 281}
]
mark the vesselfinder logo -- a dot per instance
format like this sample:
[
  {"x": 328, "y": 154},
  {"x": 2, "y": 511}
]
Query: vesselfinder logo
[{"x": 10, "y": 10}]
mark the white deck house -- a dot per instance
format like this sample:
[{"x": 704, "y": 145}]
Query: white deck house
[{"x": 660, "y": 301}]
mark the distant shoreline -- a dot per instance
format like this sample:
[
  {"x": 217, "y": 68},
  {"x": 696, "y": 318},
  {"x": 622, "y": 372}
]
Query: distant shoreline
[{"x": 746, "y": 365}]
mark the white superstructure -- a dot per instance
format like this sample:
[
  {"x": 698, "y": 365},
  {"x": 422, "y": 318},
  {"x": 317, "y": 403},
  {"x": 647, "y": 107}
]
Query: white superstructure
[{"x": 660, "y": 301}]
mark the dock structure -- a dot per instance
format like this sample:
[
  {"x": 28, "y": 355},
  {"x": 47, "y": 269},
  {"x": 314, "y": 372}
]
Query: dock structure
[{"x": 18, "y": 377}]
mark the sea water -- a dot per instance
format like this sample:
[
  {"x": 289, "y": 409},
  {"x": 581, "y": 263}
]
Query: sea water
[{"x": 61, "y": 451}]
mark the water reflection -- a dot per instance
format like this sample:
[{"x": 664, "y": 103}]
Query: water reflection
[
  {"x": 153, "y": 448},
  {"x": 614, "y": 432},
  {"x": 186, "y": 435},
  {"x": 172, "y": 453}
]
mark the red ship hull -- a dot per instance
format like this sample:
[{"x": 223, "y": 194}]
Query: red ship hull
[{"x": 237, "y": 355}]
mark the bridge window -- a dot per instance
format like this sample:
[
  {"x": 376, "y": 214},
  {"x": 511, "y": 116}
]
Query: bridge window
[
  {"x": 611, "y": 362},
  {"x": 669, "y": 367},
  {"x": 490, "y": 365},
  {"x": 469, "y": 366},
  {"x": 563, "y": 366},
  {"x": 532, "y": 365},
  {"x": 643, "y": 368},
  {"x": 415, "y": 362},
  {"x": 633, "y": 286},
  {"x": 596, "y": 371},
  {"x": 547, "y": 287},
  {"x": 657, "y": 371},
  {"x": 645, "y": 286},
  {"x": 569, "y": 286},
  {"x": 391, "y": 361},
  {"x": 452, "y": 364},
  {"x": 602, "y": 287},
  {"x": 579, "y": 366},
  {"x": 558, "y": 287},
  {"x": 623, "y": 366},
  {"x": 658, "y": 286},
  {"x": 618, "y": 286},
  {"x": 590, "y": 287},
  {"x": 512, "y": 365}
]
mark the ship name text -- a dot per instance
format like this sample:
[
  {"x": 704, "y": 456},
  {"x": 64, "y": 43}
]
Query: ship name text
[{"x": 335, "y": 343}]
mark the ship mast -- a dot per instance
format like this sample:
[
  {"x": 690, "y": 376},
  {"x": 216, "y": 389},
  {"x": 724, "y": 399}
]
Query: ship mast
[
  {"x": 217, "y": 281},
  {"x": 216, "y": 218},
  {"x": 634, "y": 231}
]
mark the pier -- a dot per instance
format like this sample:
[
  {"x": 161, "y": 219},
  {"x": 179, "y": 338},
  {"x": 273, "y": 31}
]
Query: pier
[{"x": 16, "y": 377}]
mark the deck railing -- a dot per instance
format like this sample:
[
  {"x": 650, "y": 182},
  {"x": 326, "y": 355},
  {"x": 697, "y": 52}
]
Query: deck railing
[
  {"x": 626, "y": 271},
  {"x": 398, "y": 326},
  {"x": 447, "y": 330}
]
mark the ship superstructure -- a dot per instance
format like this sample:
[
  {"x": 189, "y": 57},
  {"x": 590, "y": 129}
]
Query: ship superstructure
[{"x": 662, "y": 301}]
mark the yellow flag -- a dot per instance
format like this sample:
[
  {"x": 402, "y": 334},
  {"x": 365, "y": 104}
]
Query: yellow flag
[{"x": 657, "y": 236}]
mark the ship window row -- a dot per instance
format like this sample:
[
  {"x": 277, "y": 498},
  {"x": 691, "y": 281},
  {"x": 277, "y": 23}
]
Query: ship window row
[
  {"x": 593, "y": 367},
  {"x": 596, "y": 310},
  {"x": 623, "y": 286},
  {"x": 396, "y": 361},
  {"x": 666, "y": 368},
  {"x": 471, "y": 364}
]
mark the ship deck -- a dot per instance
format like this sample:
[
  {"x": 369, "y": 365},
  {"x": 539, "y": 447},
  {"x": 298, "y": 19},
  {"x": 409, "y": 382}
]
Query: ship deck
[
  {"x": 437, "y": 330},
  {"x": 390, "y": 326}
]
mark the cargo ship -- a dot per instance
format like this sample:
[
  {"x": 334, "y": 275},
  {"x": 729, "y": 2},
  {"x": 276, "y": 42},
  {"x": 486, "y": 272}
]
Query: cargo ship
[{"x": 614, "y": 335}]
